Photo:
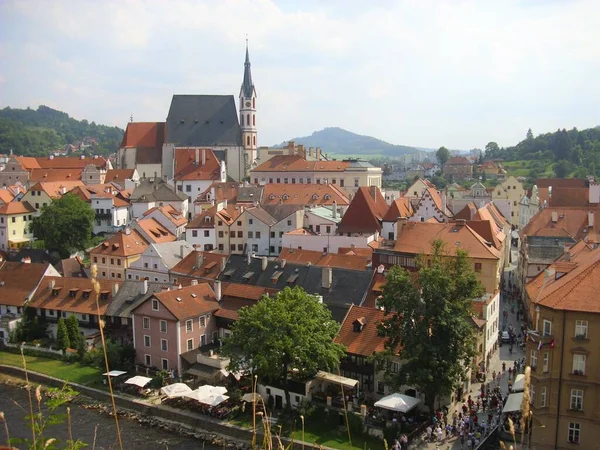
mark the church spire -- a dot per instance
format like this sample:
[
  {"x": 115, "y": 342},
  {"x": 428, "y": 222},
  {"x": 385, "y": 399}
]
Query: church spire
[{"x": 247, "y": 85}]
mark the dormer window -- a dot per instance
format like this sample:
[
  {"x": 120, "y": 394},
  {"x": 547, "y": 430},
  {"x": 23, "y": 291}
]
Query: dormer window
[
  {"x": 358, "y": 324},
  {"x": 73, "y": 292},
  {"x": 104, "y": 295},
  {"x": 56, "y": 291},
  {"x": 272, "y": 197},
  {"x": 86, "y": 293}
]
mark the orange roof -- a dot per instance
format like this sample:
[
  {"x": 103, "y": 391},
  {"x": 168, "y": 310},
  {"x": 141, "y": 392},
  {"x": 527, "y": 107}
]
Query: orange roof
[
  {"x": 222, "y": 191},
  {"x": 28, "y": 162},
  {"x": 572, "y": 288},
  {"x": 186, "y": 167},
  {"x": 16, "y": 208},
  {"x": 190, "y": 301},
  {"x": 54, "y": 189},
  {"x": 6, "y": 196},
  {"x": 144, "y": 135},
  {"x": 210, "y": 265},
  {"x": 205, "y": 219},
  {"x": 571, "y": 221},
  {"x": 246, "y": 291},
  {"x": 316, "y": 258},
  {"x": 122, "y": 244},
  {"x": 18, "y": 280},
  {"x": 155, "y": 231},
  {"x": 54, "y": 175},
  {"x": 365, "y": 213},
  {"x": 415, "y": 238},
  {"x": 356, "y": 251},
  {"x": 118, "y": 175},
  {"x": 303, "y": 194},
  {"x": 458, "y": 161},
  {"x": 367, "y": 341},
  {"x": 229, "y": 214},
  {"x": 73, "y": 294},
  {"x": 171, "y": 213},
  {"x": 485, "y": 229},
  {"x": 569, "y": 196},
  {"x": 60, "y": 162},
  {"x": 296, "y": 163},
  {"x": 401, "y": 207}
]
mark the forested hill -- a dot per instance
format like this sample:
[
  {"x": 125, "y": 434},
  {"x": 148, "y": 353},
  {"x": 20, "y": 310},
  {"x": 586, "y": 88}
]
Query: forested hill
[
  {"x": 573, "y": 152},
  {"x": 37, "y": 132}
]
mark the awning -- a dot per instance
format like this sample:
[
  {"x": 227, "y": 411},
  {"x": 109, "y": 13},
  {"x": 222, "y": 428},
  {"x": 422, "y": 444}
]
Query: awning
[
  {"x": 513, "y": 403},
  {"x": 519, "y": 384},
  {"x": 236, "y": 375},
  {"x": 398, "y": 402},
  {"x": 19, "y": 240},
  {"x": 175, "y": 390},
  {"x": 337, "y": 379},
  {"x": 139, "y": 381},
  {"x": 202, "y": 371},
  {"x": 251, "y": 397},
  {"x": 114, "y": 373}
]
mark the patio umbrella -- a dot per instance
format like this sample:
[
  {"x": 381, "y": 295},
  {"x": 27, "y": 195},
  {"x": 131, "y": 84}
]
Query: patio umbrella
[
  {"x": 139, "y": 381},
  {"x": 197, "y": 394},
  {"x": 214, "y": 400},
  {"x": 398, "y": 402},
  {"x": 251, "y": 397},
  {"x": 175, "y": 390},
  {"x": 207, "y": 390}
]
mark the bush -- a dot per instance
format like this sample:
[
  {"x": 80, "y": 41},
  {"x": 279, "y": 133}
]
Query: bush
[{"x": 159, "y": 380}]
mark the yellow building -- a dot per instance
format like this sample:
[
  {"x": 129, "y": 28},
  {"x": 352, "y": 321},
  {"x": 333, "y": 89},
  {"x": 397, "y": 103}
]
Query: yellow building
[
  {"x": 41, "y": 194},
  {"x": 15, "y": 218},
  {"x": 507, "y": 196},
  {"x": 115, "y": 255}
]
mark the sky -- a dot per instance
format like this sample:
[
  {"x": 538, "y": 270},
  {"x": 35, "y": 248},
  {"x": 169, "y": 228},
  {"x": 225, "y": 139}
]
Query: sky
[{"x": 423, "y": 73}]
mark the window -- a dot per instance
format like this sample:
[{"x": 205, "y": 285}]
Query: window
[
  {"x": 13, "y": 219},
  {"x": 318, "y": 228},
  {"x": 103, "y": 260},
  {"x": 189, "y": 325},
  {"x": 395, "y": 367},
  {"x": 250, "y": 234},
  {"x": 220, "y": 234},
  {"x": 579, "y": 364},
  {"x": 546, "y": 359},
  {"x": 328, "y": 229},
  {"x": 356, "y": 182},
  {"x": 341, "y": 182},
  {"x": 155, "y": 266},
  {"x": 533, "y": 359},
  {"x": 95, "y": 259},
  {"x": 165, "y": 364},
  {"x": 194, "y": 233},
  {"x": 271, "y": 249},
  {"x": 163, "y": 345},
  {"x": 148, "y": 360},
  {"x": 293, "y": 181},
  {"x": 118, "y": 262},
  {"x": 146, "y": 323},
  {"x": 145, "y": 265},
  {"x": 190, "y": 344},
  {"x": 255, "y": 247},
  {"x": 574, "y": 430},
  {"x": 547, "y": 328},
  {"x": 221, "y": 247},
  {"x": 188, "y": 188},
  {"x": 233, "y": 247},
  {"x": 285, "y": 181},
  {"x": 289, "y": 222},
  {"x": 380, "y": 387},
  {"x": 163, "y": 326},
  {"x": 112, "y": 261},
  {"x": 240, "y": 248},
  {"x": 154, "y": 304},
  {"x": 272, "y": 234},
  {"x": 576, "y": 399},
  {"x": 250, "y": 221},
  {"x": 258, "y": 235},
  {"x": 206, "y": 233},
  {"x": 478, "y": 267},
  {"x": 240, "y": 234},
  {"x": 308, "y": 181},
  {"x": 543, "y": 397},
  {"x": 239, "y": 223},
  {"x": 202, "y": 340},
  {"x": 146, "y": 341},
  {"x": 581, "y": 327}
]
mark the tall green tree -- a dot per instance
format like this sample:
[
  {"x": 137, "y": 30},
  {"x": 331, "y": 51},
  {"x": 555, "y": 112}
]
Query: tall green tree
[
  {"x": 492, "y": 150},
  {"x": 443, "y": 155},
  {"x": 291, "y": 330},
  {"x": 562, "y": 168},
  {"x": 73, "y": 331},
  {"x": 429, "y": 321},
  {"x": 62, "y": 335},
  {"x": 65, "y": 225}
]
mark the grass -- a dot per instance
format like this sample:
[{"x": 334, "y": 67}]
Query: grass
[
  {"x": 73, "y": 372},
  {"x": 522, "y": 168}
]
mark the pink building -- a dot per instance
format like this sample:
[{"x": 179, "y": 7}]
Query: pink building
[{"x": 173, "y": 322}]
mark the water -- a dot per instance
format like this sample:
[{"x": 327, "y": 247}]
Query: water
[{"x": 14, "y": 403}]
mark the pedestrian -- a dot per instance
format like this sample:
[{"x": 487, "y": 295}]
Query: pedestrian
[
  {"x": 509, "y": 373},
  {"x": 494, "y": 376},
  {"x": 503, "y": 366}
]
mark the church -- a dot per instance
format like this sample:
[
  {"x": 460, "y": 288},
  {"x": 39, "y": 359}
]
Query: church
[{"x": 196, "y": 122}]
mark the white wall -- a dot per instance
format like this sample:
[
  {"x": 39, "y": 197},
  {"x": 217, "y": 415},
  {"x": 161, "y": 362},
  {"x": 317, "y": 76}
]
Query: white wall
[
  {"x": 262, "y": 390},
  {"x": 318, "y": 243},
  {"x": 200, "y": 239},
  {"x": 258, "y": 245},
  {"x": 387, "y": 228}
]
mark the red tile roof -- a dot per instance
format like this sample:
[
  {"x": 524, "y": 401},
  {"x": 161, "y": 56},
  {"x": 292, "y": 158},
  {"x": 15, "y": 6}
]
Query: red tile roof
[
  {"x": 6, "y": 196},
  {"x": 367, "y": 341},
  {"x": 401, "y": 207},
  {"x": 365, "y": 213},
  {"x": 171, "y": 213},
  {"x": 458, "y": 161},
  {"x": 295, "y": 163},
  {"x": 571, "y": 221},
  {"x": 297, "y": 256},
  {"x": 210, "y": 267},
  {"x": 569, "y": 196},
  {"x": 18, "y": 280},
  {"x": 303, "y": 194},
  {"x": 54, "y": 189},
  {"x": 122, "y": 244},
  {"x": 118, "y": 175},
  {"x": 205, "y": 219},
  {"x": 155, "y": 231},
  {"x": 54, "y": 175},
  {"x": 61, "y": 162},
  {"x": 16, "y": 208},
  {"x": 144, "y": 135},
  {"x": 186, "y": 167},
  {"x": 190, "y": 301}
]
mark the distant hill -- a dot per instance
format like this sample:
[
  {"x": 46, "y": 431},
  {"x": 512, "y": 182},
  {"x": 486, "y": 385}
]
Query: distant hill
[
  {"x": 38, "y": 132},
  {"x": 338, "y": 141}
]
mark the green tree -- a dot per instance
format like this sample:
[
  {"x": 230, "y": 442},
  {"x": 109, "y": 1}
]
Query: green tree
[
  {"x": 492, "y": 150},
  {"x": 529, "y": 135},
  {"x": 562, "y": 168},
  {"x": 73, "y": 331},
  {"x": 65, "y": 225},
  {"x": 429, "y": 321},
  {"x": 62, "y": 335},
  {"x": 30, "y": 328},
  {"x": 443, "y": 155},
  {"x": 291, "y": 330}
]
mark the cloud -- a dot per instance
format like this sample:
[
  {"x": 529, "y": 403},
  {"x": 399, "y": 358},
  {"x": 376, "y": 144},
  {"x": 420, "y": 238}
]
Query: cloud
[{"x": 417, "y": 72}]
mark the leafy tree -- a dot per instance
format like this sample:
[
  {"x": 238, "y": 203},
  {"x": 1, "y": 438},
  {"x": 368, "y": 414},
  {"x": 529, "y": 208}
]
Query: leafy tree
[
  {"x": 529, "y": 135},
  {"x": 592, "y": 169},
  {"x": 429, "y": 321},
  {"x": 65, "y": 225},
  {"x": 492, "y": 150},
  {"x": 30, "y": 328},
  {"x": 483, "y": 176},
  {"x": 562, "y": 168},
  {"x": 290, "y": 330},
  {"x": 73, "y": 331},
  {"x": 443, "y": 155},
  {"x": 62, "y": 335}
]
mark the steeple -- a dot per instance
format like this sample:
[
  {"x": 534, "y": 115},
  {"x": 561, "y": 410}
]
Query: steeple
[
  {"x": 248, "y": 114},
  {"x": 247, "y": 85}
]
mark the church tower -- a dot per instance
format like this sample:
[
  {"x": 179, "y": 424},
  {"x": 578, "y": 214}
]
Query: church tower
[{"x": 248, "y": 113}]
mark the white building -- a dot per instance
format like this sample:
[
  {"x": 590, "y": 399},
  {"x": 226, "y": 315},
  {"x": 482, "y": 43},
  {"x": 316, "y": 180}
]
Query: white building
[
  {"x": 322, "y": 220},
  {"x": 432, "y": 205},
  {"x": 112, "y": 213},
  {"x": 156, "y": 261},
  {"x": 489, "y": 307},
  {"x": 201, "y": 231},
  {"x": 266, "y": 226},
  {"x": 170, "y": 218},
  {"x": 152, "y": 193},
  {"x": 306, "y": 240},
  {"x": 196, "y": 169},
  {"x": 529, "y": 206}
]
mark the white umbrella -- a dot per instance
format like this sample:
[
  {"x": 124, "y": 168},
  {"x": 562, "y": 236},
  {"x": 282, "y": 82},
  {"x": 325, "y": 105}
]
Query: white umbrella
[
  {"x": 139, "y": 381},
  {"x": 219, "y": 390},
  {"x": 207, "y": 390},
  {"x": 398, "y": 402},
  {"x": 197, "y": 395},
  {"x": 250, "y": 397},
  {"x": 214, "y": 400},
  {"x": 175, "y": 390}
]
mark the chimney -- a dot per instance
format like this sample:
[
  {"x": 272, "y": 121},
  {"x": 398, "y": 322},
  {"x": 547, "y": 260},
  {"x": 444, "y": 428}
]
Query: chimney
[
  {"x": 249, "y": 258},
  {"x": 127, "y": 231},
  {"x": 318, "y": 153},
  {"x": 327, "y": 277},
  {"x": 197, "y": 156},
  {"x": 199, "y": 259},
  {"x": 399, "y": 225},
  {"x": 115, "y": 289},
  {"x": 353, "y": 246},
  {"x": 194, "y": 283},
  {"x": 217, "y": 287},
  {"x": 203, "y": 157},
  {"x": 264, "y": 263},
  {"x": 63, "y": 190},
  {"x": 334, "y": 210},
  {"x": 82, "y": 157},
  {"x": 51, "y": 157},
  {"x": 590, "y": 219},
  {"x": 181, "y": 251},
  {"x": 144, "y": 287},
  {"x": 566, "y": 254},
  {"x": 554, "y": 216},
  {"x": 283, "y": 261},
  {"x": 51, "y": 284}
]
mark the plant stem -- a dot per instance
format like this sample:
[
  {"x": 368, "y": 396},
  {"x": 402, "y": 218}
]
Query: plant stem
[{"x": 30, "y": 399}]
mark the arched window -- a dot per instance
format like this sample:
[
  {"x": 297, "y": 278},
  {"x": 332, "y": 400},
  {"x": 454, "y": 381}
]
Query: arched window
[
  {"x": 253, "y": 120},
  {"x": 254, "y": 103},
  {"x": 242, "y": 119},
  {"x": 248, "y": 141},
  {"x": 248, "y": 119}
]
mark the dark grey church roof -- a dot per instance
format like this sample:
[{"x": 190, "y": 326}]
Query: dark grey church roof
[
  {"x": 247, "y": 85},
  {"x": 203, "y": 121},
  {"x": 348, "y": 286}
]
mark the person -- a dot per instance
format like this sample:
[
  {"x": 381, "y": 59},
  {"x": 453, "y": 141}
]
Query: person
[
  {"x": 428, "y": 430},
  {"x": 509, "y": 373},
  {"x": 404, "y": 442},
  {"x": 396, "y": 445},
  {"x": 494, "y": 376},
  {"x": 503, "y": 366}
]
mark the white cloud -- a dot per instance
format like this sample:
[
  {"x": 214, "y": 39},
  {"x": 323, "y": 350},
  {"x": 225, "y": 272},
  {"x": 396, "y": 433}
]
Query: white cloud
[{"x": 418, "y": 72}]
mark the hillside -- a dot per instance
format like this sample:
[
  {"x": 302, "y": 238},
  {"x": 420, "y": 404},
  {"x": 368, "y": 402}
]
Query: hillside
[
  {"x": 338, "y": 141},
  {"x": 39, "y": 132}
]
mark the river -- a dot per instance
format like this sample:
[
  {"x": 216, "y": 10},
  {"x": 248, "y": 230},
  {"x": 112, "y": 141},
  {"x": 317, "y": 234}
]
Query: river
[{"x": 14, "y": 402}]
